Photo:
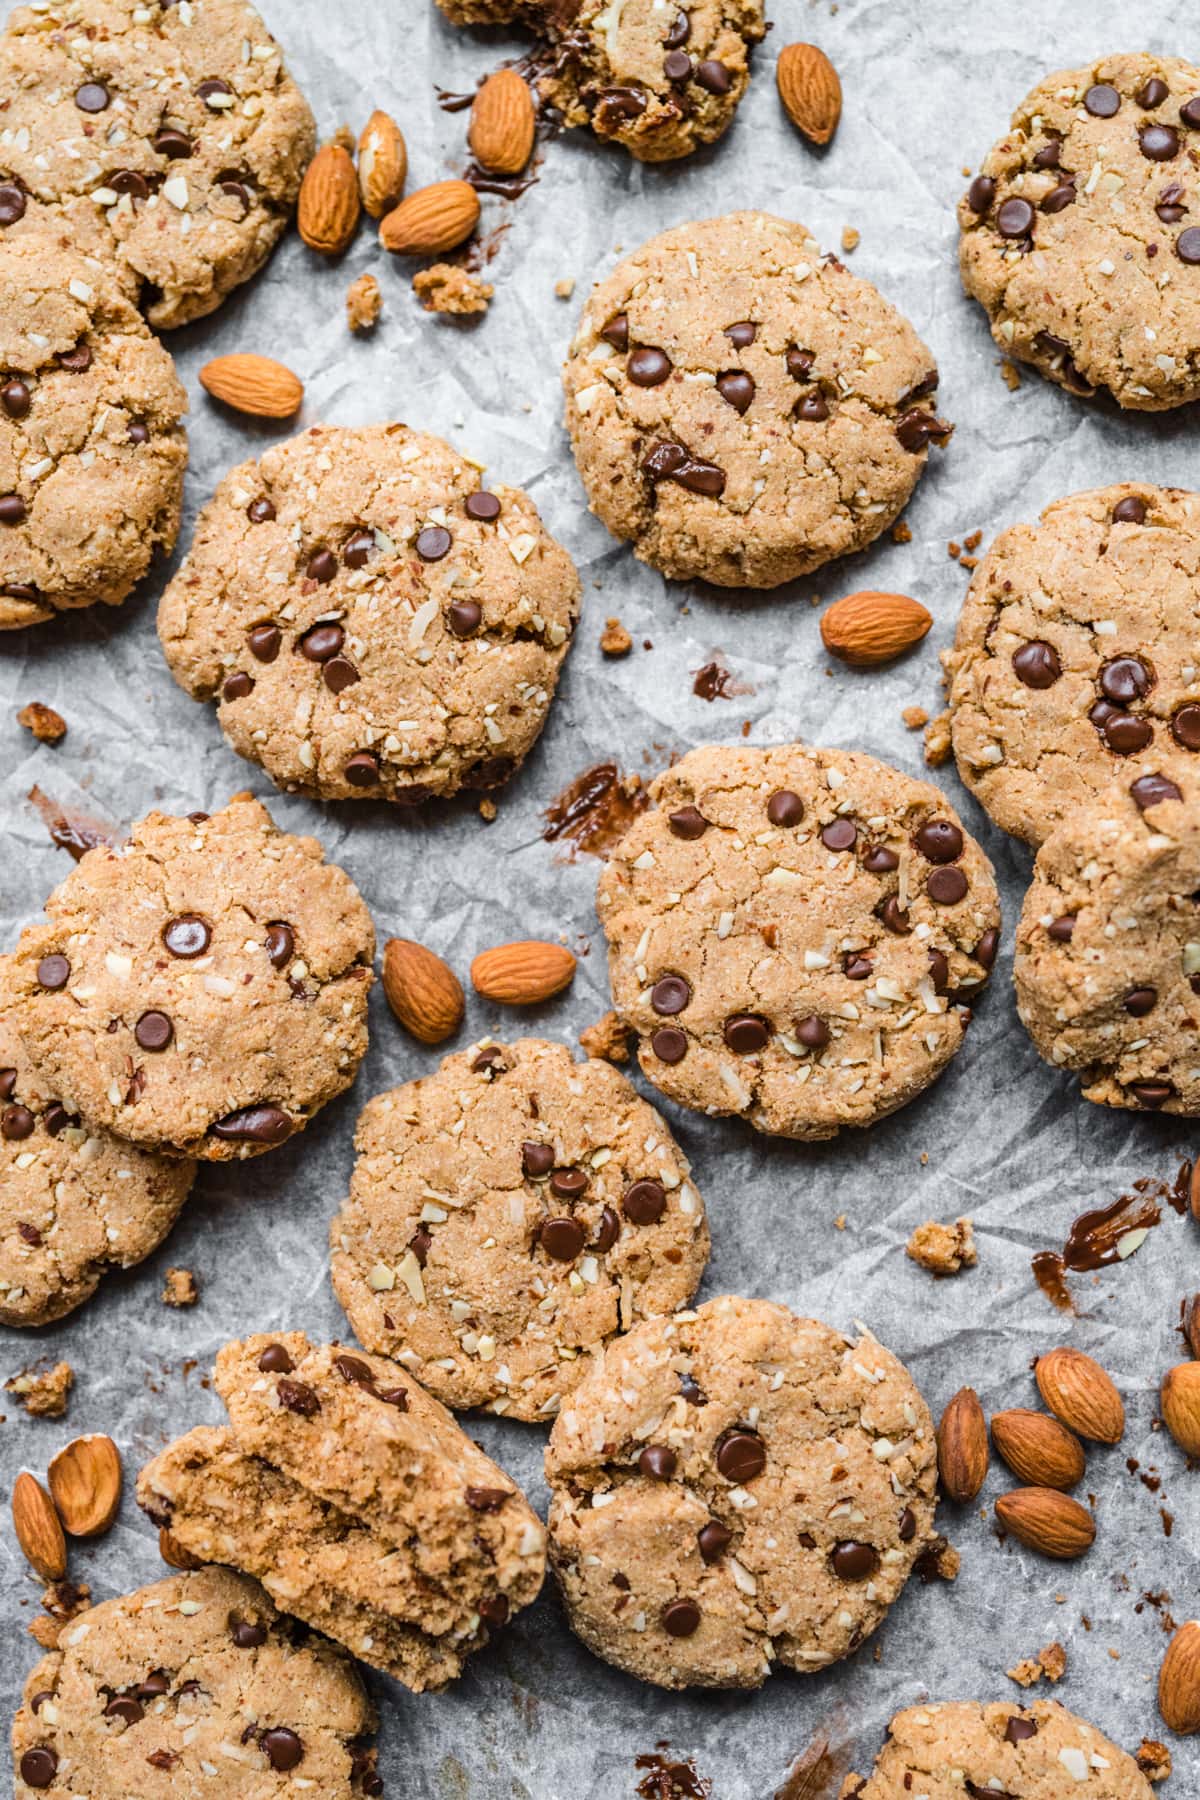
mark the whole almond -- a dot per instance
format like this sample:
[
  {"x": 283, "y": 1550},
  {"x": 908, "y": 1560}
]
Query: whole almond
[
  {"x": 963, "y": 1447},
  {"x": 1037, "y": 1448},
  {"x": 502, "y": 124},
  {"x": 424, "y": 992},
  {"x": 329, "y": 204},
  {"x": 85, "y": 1484},
  {"x": 382, "y": 164},
  {"x": 523, "y": 974},
  {"x": 1191, "y": 1323},
  {"x": 810, "y": 90},
  {"x": 869, "y": 628},
  {"x": 1049, "y": 1522},
  {"x": 1080, "y": 1393},
  {"x": 1180, "y": 1400},
  {"x": 38, "y": 1528},
  {"x": 253, "y": 384},
  {"x": 173, "y": 1552},
  {"x": 1179, "y": 1681},
  {"x": 434, "y": 219}
]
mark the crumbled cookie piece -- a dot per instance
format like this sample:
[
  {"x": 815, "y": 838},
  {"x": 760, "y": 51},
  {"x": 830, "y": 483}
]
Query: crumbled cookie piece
[
  {"x": 445, "y": 288},
  {"x": 1010, "y": 375},
  {"x": 943, "y": 1249},
  {"x": 915, "y": 718},
  {"x": 851, "y": 238},
  {"x": 47, "y": 726},
  {"x": 488, "y": 809},
  {"x": 901, "y": 532},
  {"x": 180, "y": 1288},
  {"x": 565, "y": 288},
  {"x": 1153, "y": 1759},
  {"x": 614, "y": 639},
  {"x": 937, "y": 741},
  {"x": 364, "y": 303},
  {"x": 607, "y": 1039},
  {"x": 43, "y": 1393},
  {"x": 1049, "y": 1664}
]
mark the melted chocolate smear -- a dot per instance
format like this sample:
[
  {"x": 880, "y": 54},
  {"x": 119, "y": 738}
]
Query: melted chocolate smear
[
  {"x": 667, "y": 1779},
  {"x": 73, "y": 832},
  {"x": 596, "y": 810},
  {"x": 451, "y": 102},
  {"x": 509, "y": 187},
  {"x": 1095, "y": 1237},
  {"x": 715, "y": 682},
  {"x": 817, "y": 1773}
]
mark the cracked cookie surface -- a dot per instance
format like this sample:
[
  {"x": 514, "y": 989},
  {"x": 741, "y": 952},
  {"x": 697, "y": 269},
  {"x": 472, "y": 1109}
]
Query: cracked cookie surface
[
  {"x": 742, "y": 409},
  {"x": 1081, "y": 231},
  {"x": 167, "y": 140},
  {"x": 355, "y": 1499},
  {"x": 508, "y": 1215},
  {"x": 150, "y": 1693},
  {"x": 200, "y": 989},
  {"x": 1075, "y": 662},
  {"x": 734, "y": 1488},
  {"x": 74, "y": 1202},
  {"x": 791, "y": 934},
  {"x": 1040, "y": 1750},
  {"x": 370, "y": 621},
  {"x": 92, "y": 444},
  {"x": 1107, "y": 966}
]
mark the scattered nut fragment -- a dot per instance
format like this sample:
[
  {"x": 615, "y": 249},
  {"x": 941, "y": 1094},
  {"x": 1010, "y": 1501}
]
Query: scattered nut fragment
[
  {"x": 1180, "y": 1400},
  {"x": 523, "y": 974},
  {"x": 1080, "y": 1393},
  {"x": 1049, "y": 1664},
  {"x": 614, "y": 639},
  {"x": 444, "y": 288},
  {"x": 565, "y": 288},
  {"x": 851, "y": 238},
  {"x": 810, "y": 90},
  {"x": 937, "y": 741},
  {"x": 329, "y": 206},
  {"x": 915, "y": 718},
  {"x": 364, "y": 303},
  {"x": 943, "y": 1249},
  {"x": 38, "y": 1528},
  {"x": 180, "y": 1288},
  {"x": 423, "y": 992},
  {"x": 1153, "y": 1759},
  {"x": 382, "y": 164},
  {"x": 47, "y": 726},
  {"x": 85, "y": 1484},
  {"x": 1179, "y": 1681},
  {"x": 607, "y": 1040},
  {"x": 962, "y": 1445},
  {"x": 43, "y": 1393}
]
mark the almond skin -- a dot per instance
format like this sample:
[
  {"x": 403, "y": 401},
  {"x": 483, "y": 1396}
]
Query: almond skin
[
  {"x": 1180, "y": 1400},
  {"x": 810, "y": 90},
  {"x": 502, "y": 124},
  {"x": 963, "y": 1447},
  {"x": 327, "y": 213},
  {"x": 869, "y": 628},
  {"x": 1179, "y": 1681},
  {"x": 382, "y": 164},
  {"x": 253, "y": 384},
  {"x": 424, "y": 992},
  {"x": 434, "y": 219},
  {"x": 38, "y": 1528},
  {"x": 85, "y": 1484},
  {"x": 1049, "y": 1522},
  {"x": 173, "y": 1552},
  {"x": 1080, "y": 1393},
  {"x": 1037, "y": 1448},
  {"x": 523, "y": 974}
]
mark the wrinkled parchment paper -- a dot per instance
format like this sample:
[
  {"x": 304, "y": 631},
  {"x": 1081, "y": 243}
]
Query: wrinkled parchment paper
[{"x": 928, "y": 85}]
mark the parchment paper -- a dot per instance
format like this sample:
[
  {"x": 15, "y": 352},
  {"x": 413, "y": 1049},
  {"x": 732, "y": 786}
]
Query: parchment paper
[{"x": 929, "y": 84}]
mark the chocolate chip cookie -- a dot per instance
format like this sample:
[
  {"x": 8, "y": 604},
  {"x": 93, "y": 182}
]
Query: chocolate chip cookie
[
  {"x": 1107, "y": 965},
  {"x": 793, "y": 934},
  {"x": 74, "y": 1202},
  {"x": 167, "y": 139},
  {"x": 1075, "y": 661},
  {"x": 735, "y": 1488},
  {"x": 371, "y": 621},
  {"x": 201, "y": 989},
  {"x": 940, "y": 1751},
  {"x": 742, "y": 408},
  {"x": 1081, "y": 231},
  {"x": 508, "y": 1216},
  {"x": 193, "y": 1685},
  {"x": 92, "y": 445},
  {"x": 357, "y": 1502}
]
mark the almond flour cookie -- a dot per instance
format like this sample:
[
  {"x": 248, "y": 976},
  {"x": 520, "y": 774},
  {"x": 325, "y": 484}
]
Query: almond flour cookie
[
  {"x": 940, "y": 1752},
  {"x": 734, "y": 1488},
  {"x": 743, "y": 409},
  {"x": 1107, "y": 965},
  {"x": 92, "y": 445},
  {"x": 371, "y": 622},
  {"x": 74, "y": 1202},
  {"x": 193, "y": 1685},
  {"x": 1081, "y": 231},
  {"x": 201, "y": 989},
  {"x": 357, "y": 1502},
  {"x": 793, "y": 932},
  {"x": 167, "y": 139},
  {"x": 508, "y": 1216},
  {"x": 1075, "y": 663}
]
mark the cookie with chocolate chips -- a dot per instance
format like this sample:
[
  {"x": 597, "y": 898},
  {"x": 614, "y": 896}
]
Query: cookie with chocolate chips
[
  {"x": 1075, "y": 660},
  {"x": 154, "y": 1692},
  {"x": 1081, "y": 231},
  {"x": 508, "y": 1216},
  {"x": 370, "y": 621},
  {"x": 737, "y": 1488},
  {"x": 201, "y": 989},
  {"x": 165, "y": 140},
  {"x": 92, "y": 444},
  {"x": 355, "y": 1499},
  {"x": 1107, "y": 966},
  {"x": 743, "y": 409},
  {"x": 796, "y": 935},
  {"x": 997, "y": 1752}
]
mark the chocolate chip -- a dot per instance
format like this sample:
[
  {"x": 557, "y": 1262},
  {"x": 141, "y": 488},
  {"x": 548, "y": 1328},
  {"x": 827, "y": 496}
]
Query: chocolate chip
[
  {"x": 1151, "y": 1095},
  {"x": 568, "y": 1184},
  {"x": 879, "y": 860},
  {"x": 677, "y": 65},
  {"x": 155, "y": 1685},
  {"x": 56, "y": 1118},
  {"x": 1169, "y": 206},
  {"x": 1124, "y": 679},
  {"x": 1062, "y": 929},
  {"x": 1139, "y": 1001},
  {"x": 918, "y": 429},
  {"x": 657, "y": 1462},
  {"x": 1018, "y": 1730},
  {"x": 39, "y": 1767},
  {"x": 812, "y": 408},
  {"x": 679, "y": 31},
  {"x": 687, "y": 823},
  {"x": 736, "y": 388},
  {"x": 489, "y": 1061},
  {"x": 1158, "y": 143},
  {"x": 1187, "y": 245},
  {"x": 713, "y": 1540},
  {"x": 1014, "y": 218},
  {"x": 907, "y": 1528},
  {"x": 1102, "y": 101},
  {"x": 53, "y": 973},
  {"x": 482, "y": 506},
  {"x": 1149, "y": 790},
  {"x": 255, "y": 1125},
  {"x": 353, "y": 1371},
  {"x": 275, "y": 1361},
  {"x": 77, "y": 361},
  {"x": 745, "y": 1033},
  {"x": 785, "y": 808},
  {"x": 946, "y": 886},
  {"x": 644, "y": 1202},
  {"x": 245, "y": 1634},
  {"x": 16, "y": 1124},
  {"x": 839, "y": 834},
  {"x": 153, "y": 1031},
  {"x": 1189, "y": 112},
  {"x": 15, "y": 398},
  {"x": 609, "y": 1231},
  {"x": 812, "y": 1032},
  {"x": 214, "y": 89},
  {"x": 742, "y": 334},
  {"x": 985, "y": 950},
  {"x": 486, "y": 1499},
  {"x": 433, "y": 543},
  {"x": 681, "y": 1618},
  {"x": 939, "y": 841},
  {"x": 1060, "y": 197},
  {"x": 893, "y": 915},
  {"x": 537, "y": 1159},
  {"x": 980, "y": 194},
  {"x": 12, "y": 203},
  {"x": 298, "y": 1397},
  {"x": 669, "y": 1044},
  {"x": 799, "y": 363},
  {"x": 357, "y": 549},
  {"x": 853, "y": 1561},
  {"x": 322, "y": 566},
  {"x": 465, "y": 617},
  {"x": 1036, "y": 664},
  {"x": 741, "y": 1455},
  {"x": 12, "y": 509},
  {"x": 620, "y": 103},
  {"x": 1048, "y": 154},
  {"x": 939, "y": 971},
  {"x": 616, "y": 332},
  {"x": 339, "y": 673},
  {"x": 362, "y": 769},
  {"x": 670, "y": 995},
  {"x": 282, "y": 1747},
  {"x": 237, "y": 686},
  {"x": 562, "y": 1238},
  {"x": 186, "y": 936},
  {"x": 856, "y": 967},
  {"x": 666, "y": 461},
  {"x": 713, "y": 77},
  {"x": 1125, "y": 735},
  {"x": 92, "y": 97},
  {"x": 129, "y": 181},
  {"x": 264, "y": 641},
  {"x": 648, "y": 367},
  {"x": 1130, "y": 511},
  {"x": 1150, "y": 95},
  {"x": 260, "y": 510},
  {"x": 494, "y": 1610},
  {"x": 173, "y": 144},
  {"x": 1185, "y": 726},
  {"x": 8, "y": 1082},
  {"x": 125, "y": 1708},
  {"x": 420, "y": 1243}
]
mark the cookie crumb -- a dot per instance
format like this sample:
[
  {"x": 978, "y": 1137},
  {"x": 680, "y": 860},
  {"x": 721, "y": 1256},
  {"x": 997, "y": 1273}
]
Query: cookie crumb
[
  {"x": 65, "y": 1600},
  {"x": 364, "y": 303},
  {"x": 915, "y": 717},
  {"x": 953, "y": 550},
  {"x": 1050, "y": 1663},
  {"x": 939, "y": 1561},
  {"x": 47, "y": 726},
  {"x": 839, "y": 1224},
  {"x": 565, "y": 288},
  {"x": 937, "y": 741},
  {"x": 901, "y": 533},
  {"x": 943, "y": 1249},
  {"x": 488, "y": 810},
  {"x": 1153, "y": 1759},
  {"x": 973, "y": 541},
  {"x": 43, "y": 1393},
  {"x": 968, "y": 562},
  {"x": 444, "y": 288},
  {"x": 607, "y": 1040},
  {"x": 180, "y": 1288},
  {"x": 851, "y": 238},
  {"x": 1010, "y": 375},
  {"x": 614, "y": 639}
]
